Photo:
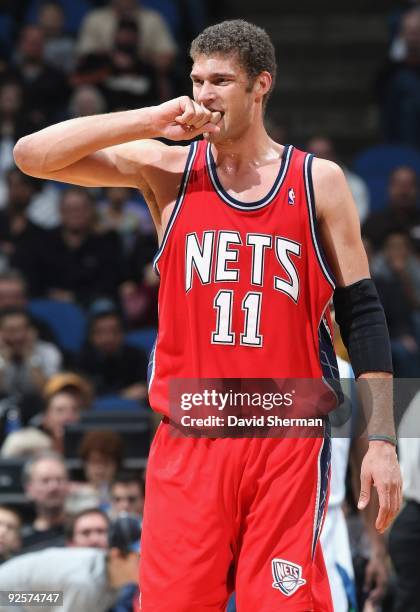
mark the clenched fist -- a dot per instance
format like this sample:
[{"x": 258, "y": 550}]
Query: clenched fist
[{"x": 184, "y": 119}]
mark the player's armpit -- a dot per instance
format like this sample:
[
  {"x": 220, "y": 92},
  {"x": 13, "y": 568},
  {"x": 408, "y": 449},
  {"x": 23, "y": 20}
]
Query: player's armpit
[{"x": 338, "y": 223}]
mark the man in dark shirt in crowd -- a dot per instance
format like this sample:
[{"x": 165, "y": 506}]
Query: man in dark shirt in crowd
[
  {"x": 46, "y": 484},
  {"x": 399, "y": 86},
  {"x": 74, "y": 262},
  {"x": 19, "y": 237},
  {"x": 113, "y": 366},
  {"x": 45, "y": 88},
  {"x": 395, "y": 273},
  {"x": 401, "y": 212}
]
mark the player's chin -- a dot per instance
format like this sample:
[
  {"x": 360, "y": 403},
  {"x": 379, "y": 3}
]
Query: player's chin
[{"x": 214, "y": 137}]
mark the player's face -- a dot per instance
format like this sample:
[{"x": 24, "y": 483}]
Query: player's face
[{"x": 221, "y": 84}]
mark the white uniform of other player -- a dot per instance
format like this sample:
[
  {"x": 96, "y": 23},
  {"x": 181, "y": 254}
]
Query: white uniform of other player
[{"x": 334, "y": 536}]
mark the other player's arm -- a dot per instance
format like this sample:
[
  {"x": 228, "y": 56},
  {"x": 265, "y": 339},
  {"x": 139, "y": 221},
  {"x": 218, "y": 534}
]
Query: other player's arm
[
  {"x": 363, "y": 328},
  {"x": 376, "y": 575}
]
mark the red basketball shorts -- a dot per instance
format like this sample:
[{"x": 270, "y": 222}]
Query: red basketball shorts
[{"x": 243, "y": 515}]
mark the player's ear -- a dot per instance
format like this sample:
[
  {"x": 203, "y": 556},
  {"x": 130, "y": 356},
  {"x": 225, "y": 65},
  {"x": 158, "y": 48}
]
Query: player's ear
[{"x": 263, "y": 83}]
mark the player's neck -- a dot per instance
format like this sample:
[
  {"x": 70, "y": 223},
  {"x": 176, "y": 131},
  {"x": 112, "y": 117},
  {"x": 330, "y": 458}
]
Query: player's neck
[{"x": 252, "y": 148}]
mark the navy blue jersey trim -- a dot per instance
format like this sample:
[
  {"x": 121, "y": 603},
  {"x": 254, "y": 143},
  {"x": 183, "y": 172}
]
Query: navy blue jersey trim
[
  {"x": 179, "y": 200},
  {"x": 233, "y": 202},
  {"x": 310, "y": 198},
  {"x": 324, "y": 464}
]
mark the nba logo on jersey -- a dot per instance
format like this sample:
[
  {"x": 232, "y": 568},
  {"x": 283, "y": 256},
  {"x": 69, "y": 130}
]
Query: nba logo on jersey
[
  {"x": 291, "y": 196},
  {"x": 287, "y": 576}
]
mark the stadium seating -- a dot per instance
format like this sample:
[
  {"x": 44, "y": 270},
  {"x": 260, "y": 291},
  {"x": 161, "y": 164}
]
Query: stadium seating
[
  {"x": 6, "y": 27},
  {"x": 375, "y": 164},
  {"x": 136, "y": 430},
  {"x": 143, "y": 339},
  {"x": 116, "y": 402},
  {"x": 67, "y": 321}
]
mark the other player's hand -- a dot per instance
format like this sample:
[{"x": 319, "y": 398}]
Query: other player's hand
[
  {"x": 376, "y": 577},
  {"x": 380, "y": 469},
  {"x": 184, "y": 119}
]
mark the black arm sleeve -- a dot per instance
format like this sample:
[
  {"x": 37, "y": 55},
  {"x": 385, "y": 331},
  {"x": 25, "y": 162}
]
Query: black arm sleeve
[{"x": 359, "y": 313}]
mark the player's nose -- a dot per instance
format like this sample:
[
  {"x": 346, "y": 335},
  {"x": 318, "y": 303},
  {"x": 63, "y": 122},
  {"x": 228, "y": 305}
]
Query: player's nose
[{"x": 206, "y": 94}]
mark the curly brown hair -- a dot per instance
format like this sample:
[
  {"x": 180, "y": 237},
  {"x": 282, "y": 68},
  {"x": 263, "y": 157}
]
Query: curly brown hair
[{"x": 250, "y": 43}]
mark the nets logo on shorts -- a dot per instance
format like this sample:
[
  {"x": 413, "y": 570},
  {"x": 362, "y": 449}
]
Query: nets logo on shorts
[{"x": 287, "y": 576}]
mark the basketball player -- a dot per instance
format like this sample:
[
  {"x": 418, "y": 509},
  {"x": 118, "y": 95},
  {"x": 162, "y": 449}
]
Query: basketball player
[{"x": 254, "y": 236}]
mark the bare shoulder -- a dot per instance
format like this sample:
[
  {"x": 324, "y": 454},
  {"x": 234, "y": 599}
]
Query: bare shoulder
[
  {"x": 156, "y": 168},
  {"x": 150, "y": 154},
  {"x": 330, "y": 187}
]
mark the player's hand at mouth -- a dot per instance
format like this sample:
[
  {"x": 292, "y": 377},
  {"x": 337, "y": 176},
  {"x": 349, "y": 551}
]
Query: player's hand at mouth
[{"x": 184, "y": 119}]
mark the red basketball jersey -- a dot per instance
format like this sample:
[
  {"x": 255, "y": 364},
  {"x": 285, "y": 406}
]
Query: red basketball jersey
[{"x": 244, "y": 287}]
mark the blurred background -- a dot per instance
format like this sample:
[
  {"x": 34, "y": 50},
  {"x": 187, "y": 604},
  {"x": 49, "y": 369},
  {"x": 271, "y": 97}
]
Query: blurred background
[{"x": 78, "y": 295}]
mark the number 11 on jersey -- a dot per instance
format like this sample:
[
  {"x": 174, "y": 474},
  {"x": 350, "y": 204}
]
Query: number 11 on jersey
[{"x": 251, "y": 307}]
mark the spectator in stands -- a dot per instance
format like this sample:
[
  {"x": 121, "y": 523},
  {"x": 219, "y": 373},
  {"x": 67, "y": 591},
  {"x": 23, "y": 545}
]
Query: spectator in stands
[
  {"x": 59, "y": 48},
  {"x": 74, "y": 261},
  {"x": 396, "y": 274},
  {"x": 139, "y": 292},
  {"x": 19, "y": 237},
  {"x": 401, "y": 212},
  {"x": 25, "y": 362},
  {"x": 25, "y": 443},
  {"x": 399, "y": 86},
  {"x": 62, "y": 408},
  {"x": 13, "y": 125},
  {"x": 155, "y": 42},
  {"x": 88, "y": 528},
  {"x": 120, "y": 213},
  {"x": 46, "y": 484},
  {"x": 127, "y": 494},
  {"x": 397, "y": 262},
  {"x": 404, "y": 537},
  {"x": 45, "y": 87},
  {"x": 86, "y": 100},
  {"x": 71, "y": 382},
  {"x": 114, "y": 368},
  {"x": 102, "y": 455},
  {"x": 126, "y": 80},
  {"x": 10, "y": 536},
  {"x": 13, "y": 294},
  {"x": 92, "y": 579},
  {"x": 323, "y": 147},
  {"x": 12, "y": 290}
]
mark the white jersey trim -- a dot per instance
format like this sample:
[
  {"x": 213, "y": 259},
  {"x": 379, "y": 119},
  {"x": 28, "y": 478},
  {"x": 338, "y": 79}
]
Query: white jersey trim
[
  {"x": 310, "y": 198},
  {"x": 178, "y": 204}
]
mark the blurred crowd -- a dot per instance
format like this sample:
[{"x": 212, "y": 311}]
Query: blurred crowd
[{"x": 78, "y": 293}]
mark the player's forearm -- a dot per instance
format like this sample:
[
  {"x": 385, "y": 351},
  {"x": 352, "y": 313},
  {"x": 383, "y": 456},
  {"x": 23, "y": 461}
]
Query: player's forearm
[
  {"x": 376, "y": 394},
  {"x": 62, "y": 144}
]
